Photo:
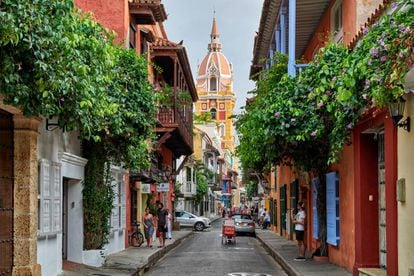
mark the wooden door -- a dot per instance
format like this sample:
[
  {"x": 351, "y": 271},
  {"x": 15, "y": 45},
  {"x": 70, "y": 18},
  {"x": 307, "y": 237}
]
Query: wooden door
[{"x": 6, "y": 193}]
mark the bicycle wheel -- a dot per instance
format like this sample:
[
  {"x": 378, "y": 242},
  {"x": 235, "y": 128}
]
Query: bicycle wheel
[{"x": 137, "y": 239}]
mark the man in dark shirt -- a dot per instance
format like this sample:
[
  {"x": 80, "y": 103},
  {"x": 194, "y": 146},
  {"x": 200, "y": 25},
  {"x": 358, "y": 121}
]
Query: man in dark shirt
[{"x": 162, "y": 223}]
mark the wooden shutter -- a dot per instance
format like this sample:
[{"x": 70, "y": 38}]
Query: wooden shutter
[
  {"x": 115, "y": 208},
  {"x": 332, "y": 208},
  {"x": 123, "y": 202},
  {"x": 45, "y": 199},
  {"x": 56, "y": 199},
  {"x": 315, "y": 218},
  {"x": 283, "y": 207},
  {"x": 293, "y": 203}
]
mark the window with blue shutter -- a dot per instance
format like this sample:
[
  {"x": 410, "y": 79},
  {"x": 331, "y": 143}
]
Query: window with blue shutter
[
  {"x": 315, "y": 218},
  {"x": 332, "y": 208}
]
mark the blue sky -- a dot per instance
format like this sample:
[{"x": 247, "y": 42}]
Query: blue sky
[{"x": 237, "y": 22}]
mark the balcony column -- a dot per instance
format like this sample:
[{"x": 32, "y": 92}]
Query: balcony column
[
  {"x": 283, "y": 30},
  {"x": 277, "y": 34},
  {"x": 292, "y": 38},
  {"x": 175, "y": 83}
]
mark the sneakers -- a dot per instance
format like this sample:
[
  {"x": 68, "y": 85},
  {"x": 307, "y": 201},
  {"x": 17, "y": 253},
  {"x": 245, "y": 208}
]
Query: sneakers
[{"x": 300, "y": 259}]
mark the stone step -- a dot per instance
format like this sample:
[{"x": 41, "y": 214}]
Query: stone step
[{"x": 372, "y": 272}]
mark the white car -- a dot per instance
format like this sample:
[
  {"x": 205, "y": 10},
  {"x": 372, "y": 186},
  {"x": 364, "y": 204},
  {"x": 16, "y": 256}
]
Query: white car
[{"x": 187, "y": 219}]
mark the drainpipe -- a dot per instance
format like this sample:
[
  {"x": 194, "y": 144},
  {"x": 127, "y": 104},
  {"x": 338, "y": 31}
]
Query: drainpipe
[{"x": 292, "y": 38}]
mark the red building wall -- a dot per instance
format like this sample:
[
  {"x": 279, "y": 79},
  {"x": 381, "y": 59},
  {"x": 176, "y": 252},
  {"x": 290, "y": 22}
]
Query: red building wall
[
  {"x": 344, "y": 253},
  {"x": 366, "y": 186},
  {"x": 167, "y": 156},
  {"x": 112, "y": 14}
]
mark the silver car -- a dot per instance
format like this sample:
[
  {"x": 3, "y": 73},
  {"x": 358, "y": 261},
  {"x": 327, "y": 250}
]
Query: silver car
[
  {"x": 187, "y": 219},
  {"x": 244, "y": 224}
]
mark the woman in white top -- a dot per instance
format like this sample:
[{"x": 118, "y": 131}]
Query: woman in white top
[
  {"x": 169, "y": 226},
  {"x": 299, "y": 221}
]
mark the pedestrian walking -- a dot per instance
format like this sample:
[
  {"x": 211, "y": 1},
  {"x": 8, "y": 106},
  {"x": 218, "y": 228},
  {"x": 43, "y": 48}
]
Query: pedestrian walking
[
  {"x": 148, "y": 220},
  {"x": 161, "y": 224},
  {"x": 266, "y": 219},
  {"x": 299, "y": 221}
]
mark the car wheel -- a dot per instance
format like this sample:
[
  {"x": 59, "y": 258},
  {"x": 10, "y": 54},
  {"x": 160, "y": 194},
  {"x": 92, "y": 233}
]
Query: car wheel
[
  {"x": 199, "y": 226},
  {"x": 253, "y": 235}
]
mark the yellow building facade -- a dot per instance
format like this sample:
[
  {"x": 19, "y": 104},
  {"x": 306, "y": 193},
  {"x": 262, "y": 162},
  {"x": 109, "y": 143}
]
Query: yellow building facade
[{"x": 215, "y": 90}]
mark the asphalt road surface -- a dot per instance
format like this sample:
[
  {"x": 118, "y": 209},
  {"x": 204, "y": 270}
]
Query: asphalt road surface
[{"x": 203, "y": 254}]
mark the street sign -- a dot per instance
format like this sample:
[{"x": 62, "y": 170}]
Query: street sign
[
  {"x": 145, "y": 188},
  {"x": 163, "y": 187}
]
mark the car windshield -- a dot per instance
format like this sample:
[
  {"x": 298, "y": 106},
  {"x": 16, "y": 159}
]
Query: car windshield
[{"x": 238, "y": 217}]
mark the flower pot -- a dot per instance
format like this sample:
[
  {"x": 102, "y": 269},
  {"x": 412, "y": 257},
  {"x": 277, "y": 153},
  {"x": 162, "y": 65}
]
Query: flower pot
[{"x": 321, "y": 258}]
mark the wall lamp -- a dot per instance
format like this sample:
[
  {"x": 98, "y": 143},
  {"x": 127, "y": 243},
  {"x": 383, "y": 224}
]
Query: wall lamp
[{"x": 397, "y": 113}]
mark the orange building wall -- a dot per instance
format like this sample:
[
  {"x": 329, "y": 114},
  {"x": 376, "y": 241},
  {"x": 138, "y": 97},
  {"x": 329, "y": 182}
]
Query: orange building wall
[
  {"x": 286, "y": 175},
  {"x": 111, "y": 14},
  {"x": 322, "y": 33},
  {"x": 344, "y": 254}
]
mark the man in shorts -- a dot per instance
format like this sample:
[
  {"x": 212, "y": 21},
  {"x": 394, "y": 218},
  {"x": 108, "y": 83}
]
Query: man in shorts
[
  {"x": 299, "y": 221},
  {"x": 161, "y": 224}
]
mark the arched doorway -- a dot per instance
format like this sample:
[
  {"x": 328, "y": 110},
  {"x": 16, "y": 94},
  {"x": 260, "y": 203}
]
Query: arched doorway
[{"x": 6, "y": 192}]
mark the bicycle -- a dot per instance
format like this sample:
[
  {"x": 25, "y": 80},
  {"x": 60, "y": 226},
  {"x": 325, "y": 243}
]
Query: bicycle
[{"x": 136, "y": 238}]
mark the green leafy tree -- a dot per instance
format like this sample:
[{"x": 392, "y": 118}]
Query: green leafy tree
[
  {"x": 251, "y": 189},
  {"x": 58, "y": 62}
]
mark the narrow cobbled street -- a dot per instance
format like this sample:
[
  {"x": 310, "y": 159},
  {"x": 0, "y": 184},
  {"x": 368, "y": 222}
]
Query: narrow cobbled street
[{"x": 203, "y": 254}]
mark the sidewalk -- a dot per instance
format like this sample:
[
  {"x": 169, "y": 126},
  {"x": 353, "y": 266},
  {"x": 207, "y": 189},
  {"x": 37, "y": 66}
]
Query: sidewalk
[
  {"x": 284, "y": 251},
  {"x": 131, "y": 261}
]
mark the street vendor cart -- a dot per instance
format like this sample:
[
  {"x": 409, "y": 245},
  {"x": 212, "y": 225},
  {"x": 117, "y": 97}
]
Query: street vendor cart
[{"x": 228, "y": 234}]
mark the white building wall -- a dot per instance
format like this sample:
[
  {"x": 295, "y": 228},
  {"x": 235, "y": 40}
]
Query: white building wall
[
  {"x": 61, "y": 149},
  {"x": 116, "y": 240},
  {"x": 406, "y": 208}
]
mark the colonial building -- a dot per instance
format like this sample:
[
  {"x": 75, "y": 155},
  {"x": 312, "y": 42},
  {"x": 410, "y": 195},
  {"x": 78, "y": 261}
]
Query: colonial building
[{"x": 361, "y": 188}]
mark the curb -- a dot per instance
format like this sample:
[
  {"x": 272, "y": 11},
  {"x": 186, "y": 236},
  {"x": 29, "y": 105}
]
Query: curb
[
  {"x": 214, "y": 219},
  {"x": 159, "y": 254},
  {"x": 290, "y": 270}
]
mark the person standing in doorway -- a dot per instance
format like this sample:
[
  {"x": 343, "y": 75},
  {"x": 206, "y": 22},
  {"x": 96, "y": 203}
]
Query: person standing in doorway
[
  {"x": 299, "y": 220},
  {"x": 161, "y": 224}
]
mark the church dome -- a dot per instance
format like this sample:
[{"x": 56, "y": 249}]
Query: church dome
[{"x": 215, "y": 71}]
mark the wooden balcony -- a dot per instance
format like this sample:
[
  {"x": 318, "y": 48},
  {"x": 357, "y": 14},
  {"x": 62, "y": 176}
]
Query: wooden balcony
[
  {"x": 175, "y": 120},
  {"x": 178, "y": 123},
  {"x": 147, "y": 12}
]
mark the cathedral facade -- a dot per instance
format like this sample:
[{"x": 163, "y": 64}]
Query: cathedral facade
[{"x": 215, "y": 90}]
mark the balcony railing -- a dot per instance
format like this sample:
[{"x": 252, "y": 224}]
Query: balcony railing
[
  {"x": 175, "y": 117},
  {"x": 300, "y": 67}
]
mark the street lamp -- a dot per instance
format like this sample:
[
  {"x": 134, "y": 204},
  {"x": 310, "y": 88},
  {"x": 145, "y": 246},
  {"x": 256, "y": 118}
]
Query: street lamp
[{"x": 396, "y": 110}]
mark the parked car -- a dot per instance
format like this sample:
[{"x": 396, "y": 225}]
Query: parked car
[
  {"x": 187, "y": 219},
  {"x": 244, "y": 224}
]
